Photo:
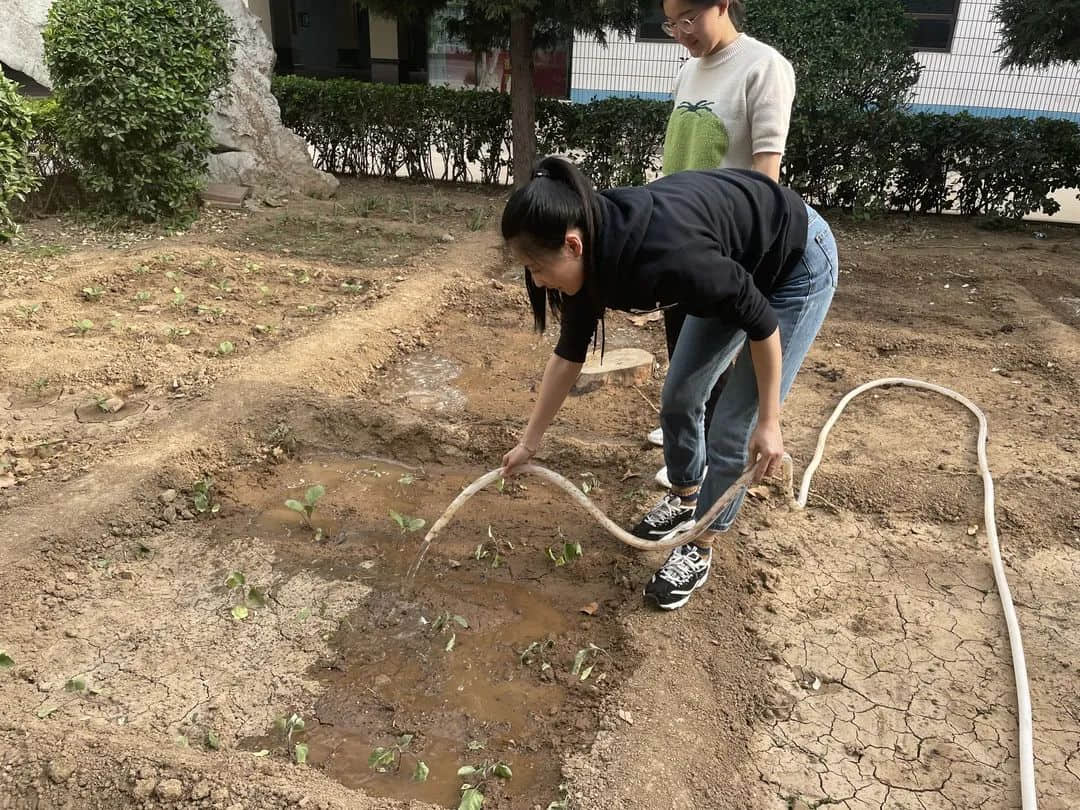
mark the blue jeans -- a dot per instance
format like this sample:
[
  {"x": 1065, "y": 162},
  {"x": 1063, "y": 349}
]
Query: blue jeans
[{"x": 707, "y": 346}]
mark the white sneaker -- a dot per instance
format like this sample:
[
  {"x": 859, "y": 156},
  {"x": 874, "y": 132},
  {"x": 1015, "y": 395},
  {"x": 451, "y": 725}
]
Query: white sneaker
[
  {"x": 663, "y": 480},
  {"x": 657, "y": 437}
]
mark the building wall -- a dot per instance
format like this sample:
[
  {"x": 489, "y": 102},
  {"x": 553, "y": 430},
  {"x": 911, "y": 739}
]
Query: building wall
[{"x": 968, "y": 77}]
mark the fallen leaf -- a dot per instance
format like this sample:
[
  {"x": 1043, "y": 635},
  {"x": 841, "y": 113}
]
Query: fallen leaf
[
  {"x": 590, "y": 609},
  {"x": 626, "y": 717},
  {"x": 759, "y": 492}
]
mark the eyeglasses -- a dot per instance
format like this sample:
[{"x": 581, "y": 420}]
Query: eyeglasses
[{"x": 683, "y": 26}]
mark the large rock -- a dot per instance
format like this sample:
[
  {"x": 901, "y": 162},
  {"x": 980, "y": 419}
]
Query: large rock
[{"x": 253, "y": 147}]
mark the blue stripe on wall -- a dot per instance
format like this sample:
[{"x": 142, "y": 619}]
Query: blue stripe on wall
[
  {"x": 993, "y": 112},
  {"x": 583, "y": 95}
]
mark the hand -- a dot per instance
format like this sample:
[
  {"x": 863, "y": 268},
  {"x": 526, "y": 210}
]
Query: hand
[
  {"x": 518, "y": 456},
  {"x": 766, "y": 449}
]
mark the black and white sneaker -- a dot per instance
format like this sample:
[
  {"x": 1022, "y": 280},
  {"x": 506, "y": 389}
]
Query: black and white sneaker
[
  {"x": 686, "y": 570},
  {"x": 669, "y": 514}
]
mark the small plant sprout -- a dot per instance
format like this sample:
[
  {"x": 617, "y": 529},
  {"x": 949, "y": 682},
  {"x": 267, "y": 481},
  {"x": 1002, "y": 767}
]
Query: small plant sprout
[
  {"x": 83, "y": 326},
  {"x": 202, "y": 495},
  {"x": 588, "y": 482},
  {"x": 178, "y": 332},
  {"x": 29, "y": 312},
  {"x": 569, "y": 553},
  {"x": 92, "y": 293},
  {"x": 406, "y": 523},
  {"x": 263, "y": 329},
  {"x": 213, "y": 741},
  {"x": 585, "y": 661},
  {"x": 142, "y": 296},
  {"x": 477, "y": 776},
  {"x": 537, "y": 653},
  {"x": 306, "y": 508},
  {"x": 225, "y": 348},
  {"x": 178, "y": 298},
  {"x": 75, "y": 685},
  {"x": 407, "y": 479},
  {"x": 288, "y": 726},
  {"x": 6, "y": 661},
  {"x": 446, "y": 621},
  {"x": 247, "y": 596},
  {"x": 387, "y": 759},
  {"x": 353, "y": 287}
]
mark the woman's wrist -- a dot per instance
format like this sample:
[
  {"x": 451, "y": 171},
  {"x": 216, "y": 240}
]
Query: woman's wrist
[{"x": 531, "y": 448}]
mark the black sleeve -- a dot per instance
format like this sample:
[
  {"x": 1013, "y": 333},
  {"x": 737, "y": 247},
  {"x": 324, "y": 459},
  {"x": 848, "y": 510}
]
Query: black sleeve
[
  {"x": 579, "y": 319},
  {"x": 708, "y": 284}
]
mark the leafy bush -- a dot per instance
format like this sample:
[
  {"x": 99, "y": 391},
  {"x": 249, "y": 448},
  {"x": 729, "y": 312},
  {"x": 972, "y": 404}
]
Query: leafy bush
[
  {"x": 921, "y": 163},
  {"x": 855, "y": 69},
  {"x": 59, "y": 183},
  {"x": 133, "y": 81},
  {"x": 17, "y": 177}
]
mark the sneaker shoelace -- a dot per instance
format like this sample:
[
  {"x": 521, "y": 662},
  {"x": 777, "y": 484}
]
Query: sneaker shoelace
[
  {"x": 682, "y": 566},
  {"x": 664, "y": 511}
]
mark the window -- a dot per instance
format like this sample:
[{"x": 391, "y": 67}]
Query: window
[
  {"x": 652, "y": 17},
  {"x": 935, "y": 22}
]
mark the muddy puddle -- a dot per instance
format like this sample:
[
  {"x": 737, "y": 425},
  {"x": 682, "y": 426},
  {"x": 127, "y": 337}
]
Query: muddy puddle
[{"x": 442, "y": 660}]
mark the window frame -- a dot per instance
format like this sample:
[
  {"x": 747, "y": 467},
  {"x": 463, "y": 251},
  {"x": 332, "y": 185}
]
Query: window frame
[{"x": 952, "y": 18}]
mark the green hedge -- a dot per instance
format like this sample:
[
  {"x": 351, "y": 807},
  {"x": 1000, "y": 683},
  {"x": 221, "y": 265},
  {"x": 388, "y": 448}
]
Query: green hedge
[
  {"x": 17, "y": 177},
  {"x": 921, "y": 163},
  {"x": 382, "y": 130}
]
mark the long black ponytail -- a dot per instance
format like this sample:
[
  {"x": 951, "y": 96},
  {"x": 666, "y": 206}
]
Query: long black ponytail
[{"x": 557, "y": 197}]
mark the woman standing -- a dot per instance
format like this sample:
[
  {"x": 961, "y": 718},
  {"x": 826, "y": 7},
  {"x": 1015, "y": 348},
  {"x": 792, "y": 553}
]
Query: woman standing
[
  {"x": 732, "y": 109},
  {"x": 748, "y": 261}
]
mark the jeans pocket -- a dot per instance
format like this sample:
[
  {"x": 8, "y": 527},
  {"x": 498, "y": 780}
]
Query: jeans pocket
[{"x": 826, "y": 243}]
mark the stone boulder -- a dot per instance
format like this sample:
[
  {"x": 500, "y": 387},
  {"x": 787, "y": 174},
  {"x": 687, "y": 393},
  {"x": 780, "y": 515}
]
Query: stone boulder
[{"x": 253, "y": 147}]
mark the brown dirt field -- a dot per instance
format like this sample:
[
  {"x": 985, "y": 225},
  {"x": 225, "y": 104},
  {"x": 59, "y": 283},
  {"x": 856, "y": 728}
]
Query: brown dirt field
[{"x": 849, "y": 656}]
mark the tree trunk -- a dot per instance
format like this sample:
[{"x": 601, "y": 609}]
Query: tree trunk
[{"x": 522, "y": 95}]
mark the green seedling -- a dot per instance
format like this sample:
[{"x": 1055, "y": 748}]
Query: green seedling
[
  {"x": 170, "y": 275},
  {"x": 479, "y": 219},
  {"x": 407, "y": 480},
  {"x": 178, "y": 298},
  {"x": 223, "y": 286},
  {"x": 213, "y": 741},
  {"x": 406, "y": 523},
  {"x": 263, "y": 329},
  {"x": 92, "y": 293},
  {"x": 202, "y": 495},
  {"x": 385, "y": 760},
  {"x": 213, "y": 312},
  {"x": 83, "y": 326},
  {"x": 75, "y": 685},
  {"x": 497, "y": 555},
  {"x": 477, "y": 776},
  {"x": 306, "y": 508},
  {"x": 289, "y": 726},
  {"x": 141, "y": 269},
  {"x": 569, "y": 553},
  {"x": 353, "y": 287},
  {"x": 6, "y": 661},
  {"x": 585, "y": 661},
  {"x": 143, "y": 296},
  {"x": 537, "y": 653},
  {"x": 178, "y": 332},
  {"x": 247, "y": 596},
  {"x": 308, "y": 309},
  {"x": 28, "y": 313},
  {"x": 225, "y": 348},
  {"x": 252, "y": 267},
  {"x": 446, "y": 621}
]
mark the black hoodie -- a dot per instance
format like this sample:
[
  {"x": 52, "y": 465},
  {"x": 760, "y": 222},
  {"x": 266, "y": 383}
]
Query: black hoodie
[{"x": 715, "y": 243}]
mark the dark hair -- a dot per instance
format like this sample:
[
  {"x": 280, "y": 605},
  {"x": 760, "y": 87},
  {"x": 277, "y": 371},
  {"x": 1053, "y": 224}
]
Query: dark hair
[
  {"x": 557, "y": 197},
  {"x": 736, "y": 10}
]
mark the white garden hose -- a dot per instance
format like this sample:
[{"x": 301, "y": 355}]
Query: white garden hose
[{"x": 1023, "y": 697}]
